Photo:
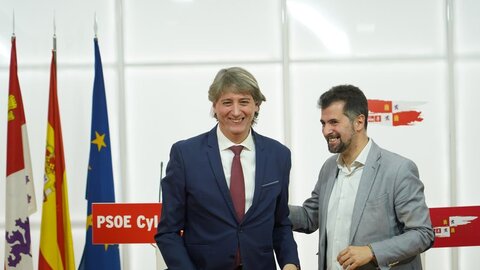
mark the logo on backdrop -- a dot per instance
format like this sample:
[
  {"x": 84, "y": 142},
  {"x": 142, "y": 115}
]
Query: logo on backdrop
[
  {"x": 394, "y": 113},
  {"x": 454, "y": 221},
  {"x": 456, "y": 226}
]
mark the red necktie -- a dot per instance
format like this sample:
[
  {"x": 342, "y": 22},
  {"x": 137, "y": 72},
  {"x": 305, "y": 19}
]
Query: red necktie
[
  {"x": 237, "y": 191},
  {"x": 237, "y": 184}
]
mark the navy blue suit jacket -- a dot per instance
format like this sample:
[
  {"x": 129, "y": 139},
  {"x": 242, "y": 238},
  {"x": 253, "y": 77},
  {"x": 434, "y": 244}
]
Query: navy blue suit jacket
[{"x": 196, "y": 199}]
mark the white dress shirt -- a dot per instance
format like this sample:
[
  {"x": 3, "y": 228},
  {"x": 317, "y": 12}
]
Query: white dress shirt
[
  {"x": 340, "y": 206},
  {"x": 247, "y": 158}
]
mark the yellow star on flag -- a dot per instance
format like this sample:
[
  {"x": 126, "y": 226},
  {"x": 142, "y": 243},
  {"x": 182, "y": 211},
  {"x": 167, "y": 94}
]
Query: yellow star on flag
[
  {"x": 89, "y": 221},
  {"x": 89, "y": 224},
  {"x": 99, "y": 141}
]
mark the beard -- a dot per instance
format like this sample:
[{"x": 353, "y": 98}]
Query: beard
[{"x": 341, "y": 146}]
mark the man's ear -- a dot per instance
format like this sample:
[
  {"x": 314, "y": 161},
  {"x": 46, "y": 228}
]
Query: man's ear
[{"x": 360, "y": 122}]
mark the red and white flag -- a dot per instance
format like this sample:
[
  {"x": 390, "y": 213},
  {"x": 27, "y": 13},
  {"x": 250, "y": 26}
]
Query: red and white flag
[
  {"x": 20, "y": 193},
  {"x": 394, "y": 113}
]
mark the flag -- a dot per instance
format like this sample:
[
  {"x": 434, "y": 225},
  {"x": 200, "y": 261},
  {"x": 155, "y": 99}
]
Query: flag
[
  {"x": 100, "y": 187},
  {"x": 20, "y": 193},
  {"x": 56, "y": 245}
]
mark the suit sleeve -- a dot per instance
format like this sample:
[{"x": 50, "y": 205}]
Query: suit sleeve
[
  {"x": 283, "y": 242},
  {"x": 416, "y": 233},
  {"x": 172, "y": 220},
  {"x": 305, "y": 218}
]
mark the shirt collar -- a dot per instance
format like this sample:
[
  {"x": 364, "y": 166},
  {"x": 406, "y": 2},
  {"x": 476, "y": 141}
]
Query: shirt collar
[
  {"x": 361, "y": 158},
  {"x": 224, "y": 143}
]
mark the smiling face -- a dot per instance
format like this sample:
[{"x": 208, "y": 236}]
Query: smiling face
[
  {"x": 344, "y": 121},
  {"x": 337, "y": 128},
  {"x": 235, "y": 113}
]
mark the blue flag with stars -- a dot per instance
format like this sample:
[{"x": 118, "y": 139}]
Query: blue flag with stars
[{"x": 100, "y": 187}]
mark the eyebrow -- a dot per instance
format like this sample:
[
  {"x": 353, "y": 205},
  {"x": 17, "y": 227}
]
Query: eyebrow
[
  {"x": 329, "y": 120},
  {"x": 240, "y": 99}
]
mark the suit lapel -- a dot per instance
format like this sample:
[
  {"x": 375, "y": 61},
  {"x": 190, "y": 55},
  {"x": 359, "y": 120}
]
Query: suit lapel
[
  {"x": 216, "y": 165},
  {"x": 328, "y": 191},
  {"x": 366, "y": 182},
  {"x": 324, "y": 192},
  {"x": 260, "y": 161}
]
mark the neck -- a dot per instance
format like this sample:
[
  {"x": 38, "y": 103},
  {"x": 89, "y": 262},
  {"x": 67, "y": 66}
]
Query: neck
[
  {"x": 354, "y": 150},
  {"x": 235, "y": 138}
]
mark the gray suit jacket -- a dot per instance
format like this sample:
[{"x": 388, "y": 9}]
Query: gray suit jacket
[{"x": 389, "y": 212}]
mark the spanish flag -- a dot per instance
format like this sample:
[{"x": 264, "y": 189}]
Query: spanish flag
[{"x": 56, "y": 245}]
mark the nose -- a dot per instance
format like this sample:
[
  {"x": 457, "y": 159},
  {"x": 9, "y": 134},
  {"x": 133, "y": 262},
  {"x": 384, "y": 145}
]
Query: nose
[
  {"x": 236, "y": 109},
  {"x": 326, "y": 129},
  {"x": 325, "y": 132}
]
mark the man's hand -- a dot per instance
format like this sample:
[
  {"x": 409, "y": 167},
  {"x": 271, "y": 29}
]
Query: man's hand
[
  {"x": 353, "y": 257},
  {"x": 290, "y": 266}
]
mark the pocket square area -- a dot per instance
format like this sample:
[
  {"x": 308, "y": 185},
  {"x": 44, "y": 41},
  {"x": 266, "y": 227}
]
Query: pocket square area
[{"x": 270, "y": 183}]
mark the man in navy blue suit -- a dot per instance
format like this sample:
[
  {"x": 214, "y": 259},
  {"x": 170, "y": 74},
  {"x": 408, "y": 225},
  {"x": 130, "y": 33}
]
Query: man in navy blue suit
[{"x": 201, "y": 227}]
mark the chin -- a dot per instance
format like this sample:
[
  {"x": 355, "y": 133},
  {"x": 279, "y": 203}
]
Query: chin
[{"x": 237, "y": 131}]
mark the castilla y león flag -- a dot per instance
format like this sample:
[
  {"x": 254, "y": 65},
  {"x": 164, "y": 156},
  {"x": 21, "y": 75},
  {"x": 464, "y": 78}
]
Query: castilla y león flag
[
  {"x": 456, "y": 226},
  {"x": 394, "y": 113},
  {"x": 20, "y": 194}
]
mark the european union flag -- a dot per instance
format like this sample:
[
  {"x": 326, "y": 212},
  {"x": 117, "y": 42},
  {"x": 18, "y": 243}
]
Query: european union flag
[{"x": 100, "y": 186}]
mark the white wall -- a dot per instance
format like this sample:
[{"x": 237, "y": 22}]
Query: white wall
[{"x": 160, "y": 57}]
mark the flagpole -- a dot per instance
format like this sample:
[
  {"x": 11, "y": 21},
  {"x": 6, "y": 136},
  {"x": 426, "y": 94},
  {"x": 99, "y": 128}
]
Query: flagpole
[
  {"x": 95, "y": 25},
  {"x": 13, "y": 25},
  {"x": 54, "y": 35},
  {"x": 160, "y": 185},
  {"x": 160, "y": 262}
]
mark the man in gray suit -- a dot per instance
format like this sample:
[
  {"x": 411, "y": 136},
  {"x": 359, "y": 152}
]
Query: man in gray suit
[{"x": 368, "y": 203}]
